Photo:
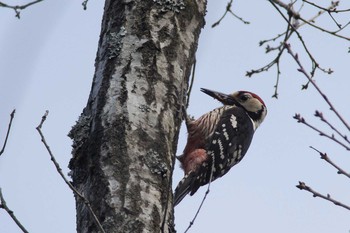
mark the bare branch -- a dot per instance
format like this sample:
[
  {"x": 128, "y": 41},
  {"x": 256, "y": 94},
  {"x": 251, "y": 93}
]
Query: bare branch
[
  {"x": 264, "y": 68},
  {"x": 320, "y": 115},
  {"x": 303, "y": 186},
  {"x": 84, "y": 3},
  {"x": 302, "y": 120},
  {"x": 333, "y": 10},
  {"x": 4, "y": 206},
  {"x": 293, "y": 27},
  {"x": 59, "y": 170},
  {"x": 276, "y": 61},
  {"x": 328, "y": 160},
  {"x": 334, "y": 33},
  {"x": 199, "y": 208},
  {"x": 312, "y": 19},
  {"x": 340, "y": 29},
  {"x": 303, "y": 71},
  {"x": 191, "y": 83},
  {"x": 206, "y": 193},
  {"x": 262, "y": 42},
  {"x": 228, "y": 10},
  {"x": 12, "y": 115},
  {"x": 275, "y": 95},
  {"x": 296, "y": 15},
  {"x": 18, "y": 8}
]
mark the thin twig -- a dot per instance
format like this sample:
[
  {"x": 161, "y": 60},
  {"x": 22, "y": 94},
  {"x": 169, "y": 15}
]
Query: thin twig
[
  {"x": 191, "y": 83},
  {"x": 222, "y": 17},
  {"x": 4, "y": 206},
  {"x": 59, "y": 170},
  {"x": 320, "y": 115},
  {"x": 262, "y": 42},
  {"x": 84, "y": 3},
  {"x": 291, "y": 27},
  {"x": 303, "y": 186},
  {"x": 169, "y": 191},
  {"x": 325, "y": 30},
  {"x": 269, "y": 65},
  {"x": 303, "y": 71},
  {"x": 343, "y": 27},
  {"x": 294, "y": 28},
  {"x": 312, "y": 19},
  {"x": 275, "y": 95},
  {"x": 205, "y": 195},
  {"x": 276, "y": 61},
  {"x": 328, "y": 160},
  {"x": 228, "y": 10},
  {"x": 288, "y": 34},
  {"x": 237, "y": 17},
  {"x": 12, "y": 115},
  {"x": 302, "y": 120},
  {"x": 335, "y": 21},
  {"x": 264, "y": 68},
  {"x": 18, "y": 8},
  {"x": 297, "y": 16},
  {"x": 334, "y": 10}
]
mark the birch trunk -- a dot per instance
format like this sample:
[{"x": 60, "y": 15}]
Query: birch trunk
[{"x": 125, "y": 139}]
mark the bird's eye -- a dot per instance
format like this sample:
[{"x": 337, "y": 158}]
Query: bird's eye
[{"x": 244, "y": 97}]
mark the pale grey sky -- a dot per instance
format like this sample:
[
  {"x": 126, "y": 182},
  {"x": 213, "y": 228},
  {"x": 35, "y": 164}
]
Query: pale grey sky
[{"x": 47, "y": 63}]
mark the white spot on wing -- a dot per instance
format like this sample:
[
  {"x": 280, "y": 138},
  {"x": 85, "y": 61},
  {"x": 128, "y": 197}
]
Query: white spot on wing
[
  {"x": 221, "y": 149},
  {"x": 233, "y": 121},
  {"x": 226, "y": 136}
]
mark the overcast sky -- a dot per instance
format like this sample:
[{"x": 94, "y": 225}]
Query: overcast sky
[{"x": 47, "y": 63}]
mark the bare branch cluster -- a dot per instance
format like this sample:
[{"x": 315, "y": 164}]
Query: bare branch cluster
[
  {"x": 3, "y": 204},
  {"x": 341, "y": 138},
  {"x": 324, "y": 96},
  {"x": 295, "y": 20},
  {"x": 59, "y": 170},
  {"x": 18, "y": 8}
]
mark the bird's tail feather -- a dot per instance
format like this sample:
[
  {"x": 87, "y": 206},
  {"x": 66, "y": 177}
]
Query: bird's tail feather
[{"x": 183, "y": 188}]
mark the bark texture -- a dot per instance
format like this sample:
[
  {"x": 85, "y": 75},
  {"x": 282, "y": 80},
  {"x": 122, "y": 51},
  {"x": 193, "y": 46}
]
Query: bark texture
[{"x": 126, "y": 138}]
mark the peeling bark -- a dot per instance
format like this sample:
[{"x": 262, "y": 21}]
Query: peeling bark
[{"x": 125, "y": 141}]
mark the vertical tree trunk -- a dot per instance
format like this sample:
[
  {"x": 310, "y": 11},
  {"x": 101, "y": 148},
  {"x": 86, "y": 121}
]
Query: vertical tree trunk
[{"x": 126, "y": 138}]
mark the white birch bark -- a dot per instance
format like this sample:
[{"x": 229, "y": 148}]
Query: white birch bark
[{"x": 125, "y": 140}]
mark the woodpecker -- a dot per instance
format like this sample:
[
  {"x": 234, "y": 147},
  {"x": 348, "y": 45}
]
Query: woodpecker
[{"x": 219, "y": 139}]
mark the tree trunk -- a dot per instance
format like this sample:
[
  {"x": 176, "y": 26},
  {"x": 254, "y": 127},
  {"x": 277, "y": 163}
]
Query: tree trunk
[{"x": 126, "y": 138}]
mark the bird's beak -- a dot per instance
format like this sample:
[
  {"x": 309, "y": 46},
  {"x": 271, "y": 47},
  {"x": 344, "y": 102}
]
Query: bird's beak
[{"x": 223, "y": 98}]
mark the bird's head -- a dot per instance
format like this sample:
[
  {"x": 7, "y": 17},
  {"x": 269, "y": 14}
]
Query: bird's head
[{"x": 250, "y": 102}]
